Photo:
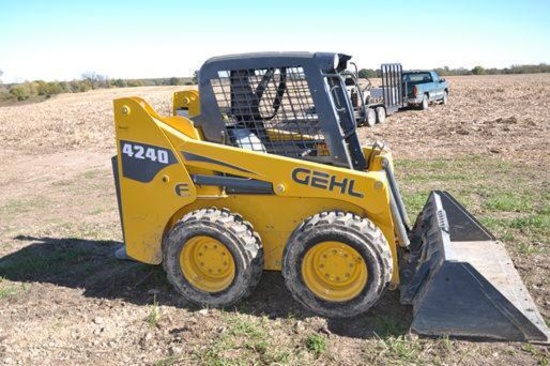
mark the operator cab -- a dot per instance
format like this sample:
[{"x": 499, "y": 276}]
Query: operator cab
[{"x": 293, "y": 104}]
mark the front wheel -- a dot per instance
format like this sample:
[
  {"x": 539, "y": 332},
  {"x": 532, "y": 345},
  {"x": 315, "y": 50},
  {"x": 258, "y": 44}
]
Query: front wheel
[
  {"x": 213, "y": 257},
  {"x": 425, "y": 103},
  {"x": 337, "y": 264},
  {"x": 445, "y": 99}
]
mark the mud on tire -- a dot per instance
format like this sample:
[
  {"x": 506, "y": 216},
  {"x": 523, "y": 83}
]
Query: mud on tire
[
  {"x": 233, "y": 236},
  {"x": 349, "y": 231}
]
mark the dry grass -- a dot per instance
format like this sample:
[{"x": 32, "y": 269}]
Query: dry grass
[
  {"x": 72, "y": 121},
  {"x": 505, "y": 115}
]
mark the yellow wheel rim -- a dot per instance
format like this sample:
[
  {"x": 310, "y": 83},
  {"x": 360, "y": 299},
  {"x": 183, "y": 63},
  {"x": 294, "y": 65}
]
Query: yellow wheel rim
[
  {"x": 207, "y": 264},
  {"x": 334, "y": 271}
]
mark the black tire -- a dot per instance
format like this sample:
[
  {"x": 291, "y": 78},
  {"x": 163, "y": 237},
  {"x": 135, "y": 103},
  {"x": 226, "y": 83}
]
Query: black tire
[
  {"x": 371, "y": 117},
  {"x": 445, "y": 98},
  {"x": 349, "y": 231},
  {"x": 238, "y": 239},
  {"x": 380, "y": 114},
  {"x": 425, "y": 102}
]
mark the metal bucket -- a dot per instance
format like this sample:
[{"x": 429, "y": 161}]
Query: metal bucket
[{"x": 460, "y": 280}]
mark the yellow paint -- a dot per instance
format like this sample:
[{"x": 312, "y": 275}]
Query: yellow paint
[
  {"x": 334, "y": 271},
  {"x": 273, "y": 217},
  {"x": 207, "y": 264},
  {"x": 150, "y": 209},
  {"x": 275, "y": 134},
  {"x": 187, "y": 99}
]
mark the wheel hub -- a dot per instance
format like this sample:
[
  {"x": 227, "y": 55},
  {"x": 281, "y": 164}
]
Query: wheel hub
[
  {"x": 207, "y": 264},
  {"x": 334, "y": 271}
]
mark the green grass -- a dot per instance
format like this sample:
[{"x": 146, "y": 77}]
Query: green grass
[
  {"x": 528, "y": 249},
  {"x": 541, "y": 356},
  {"x": 154, "y": 313},
  {"x": 390, "y": 326},
  {"x": 536, "y": 221},
  {"x": 17, "y": 206},
  {"x": 403, "y": 348},
  {"x": 7, "y": 291},
  {"x": 246, "y": 340},
  {"x": 414, "y": 202},
  {"x": 510, "y": 202},
  {"x": 317, "y": 344},
  {"x": 447, "y": 344},
  {"x": 449, "y": 170},
  {"x": 243, "y": 327},
  {"x": 510, "y": 199},
  {"x": 10, "y": 290}
]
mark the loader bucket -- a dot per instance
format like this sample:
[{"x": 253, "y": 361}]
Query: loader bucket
[{"x": 461, "y": 282}]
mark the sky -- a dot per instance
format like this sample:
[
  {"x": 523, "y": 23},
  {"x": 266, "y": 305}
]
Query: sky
[{"x": 61, "y": 40}]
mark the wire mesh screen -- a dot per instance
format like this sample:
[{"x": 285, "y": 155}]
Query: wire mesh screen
[{"x": 270, "y": 110}]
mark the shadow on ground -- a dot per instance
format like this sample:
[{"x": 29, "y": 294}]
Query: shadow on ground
[{"x": 90, "y": 265}]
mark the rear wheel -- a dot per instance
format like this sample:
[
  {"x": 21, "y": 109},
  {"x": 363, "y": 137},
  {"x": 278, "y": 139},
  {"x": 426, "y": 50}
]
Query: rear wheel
[
  {"x": 337, "y": 264},
  {"x": 380, "y": 114},
  {"x": 371, "y": 117},
  {"x": 425, "y": 102},
  {"x": 213, "y": 257}
]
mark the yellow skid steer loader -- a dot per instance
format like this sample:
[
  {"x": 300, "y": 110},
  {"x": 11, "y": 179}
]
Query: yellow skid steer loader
[{"x": 262, "y": 169}]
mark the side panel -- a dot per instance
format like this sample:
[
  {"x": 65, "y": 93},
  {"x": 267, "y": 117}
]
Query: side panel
[
  {"x": 300, "y": 188},
  {"x": 321, "y": 186},
  {"x": 150, "y": 175}
]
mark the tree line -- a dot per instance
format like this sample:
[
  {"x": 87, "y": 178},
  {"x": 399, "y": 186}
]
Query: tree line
[
  {"x": 478, "y": 70},
  {"x": 39, "y": 89}
]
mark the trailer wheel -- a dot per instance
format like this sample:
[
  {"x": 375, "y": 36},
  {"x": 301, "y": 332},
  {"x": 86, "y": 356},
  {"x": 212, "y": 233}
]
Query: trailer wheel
[
  {"x": 425, "y": 102},
  {"x": 213, "y": 257},
  {"x": 380, "y": 114},
  {"x": 337, "y": 264},
  {"x": 371, "y": 117}
]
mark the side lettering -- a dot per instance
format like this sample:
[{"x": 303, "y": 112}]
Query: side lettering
[
  {"x": 142, "y": 162},
  {"x": 303, "y": 177},
  {"x": 182, "y": 189},
  {"x": 138, "y": 151},
  {"x": 325, "y": 181}
]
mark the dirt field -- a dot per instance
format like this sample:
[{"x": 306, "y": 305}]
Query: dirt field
[{"x": 65, "y": 300}]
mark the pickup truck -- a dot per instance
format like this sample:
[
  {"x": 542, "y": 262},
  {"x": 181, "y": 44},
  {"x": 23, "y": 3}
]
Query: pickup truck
[{"x": 424, "y": 87}]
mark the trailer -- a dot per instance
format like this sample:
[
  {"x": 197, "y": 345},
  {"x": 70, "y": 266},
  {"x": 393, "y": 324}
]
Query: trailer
[{"x": 371, "y": 104}]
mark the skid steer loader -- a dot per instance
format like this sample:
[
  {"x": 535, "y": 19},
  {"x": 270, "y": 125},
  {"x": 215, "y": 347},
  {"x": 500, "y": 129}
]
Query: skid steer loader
[{"x": 262, "y": 169}]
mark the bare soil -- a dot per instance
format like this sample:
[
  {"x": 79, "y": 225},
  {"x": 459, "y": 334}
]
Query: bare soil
[{"x": 65, "y": 300}]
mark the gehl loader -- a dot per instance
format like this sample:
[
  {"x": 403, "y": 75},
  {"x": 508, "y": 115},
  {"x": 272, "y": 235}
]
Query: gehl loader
[{"x": 262, "y": 169}]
